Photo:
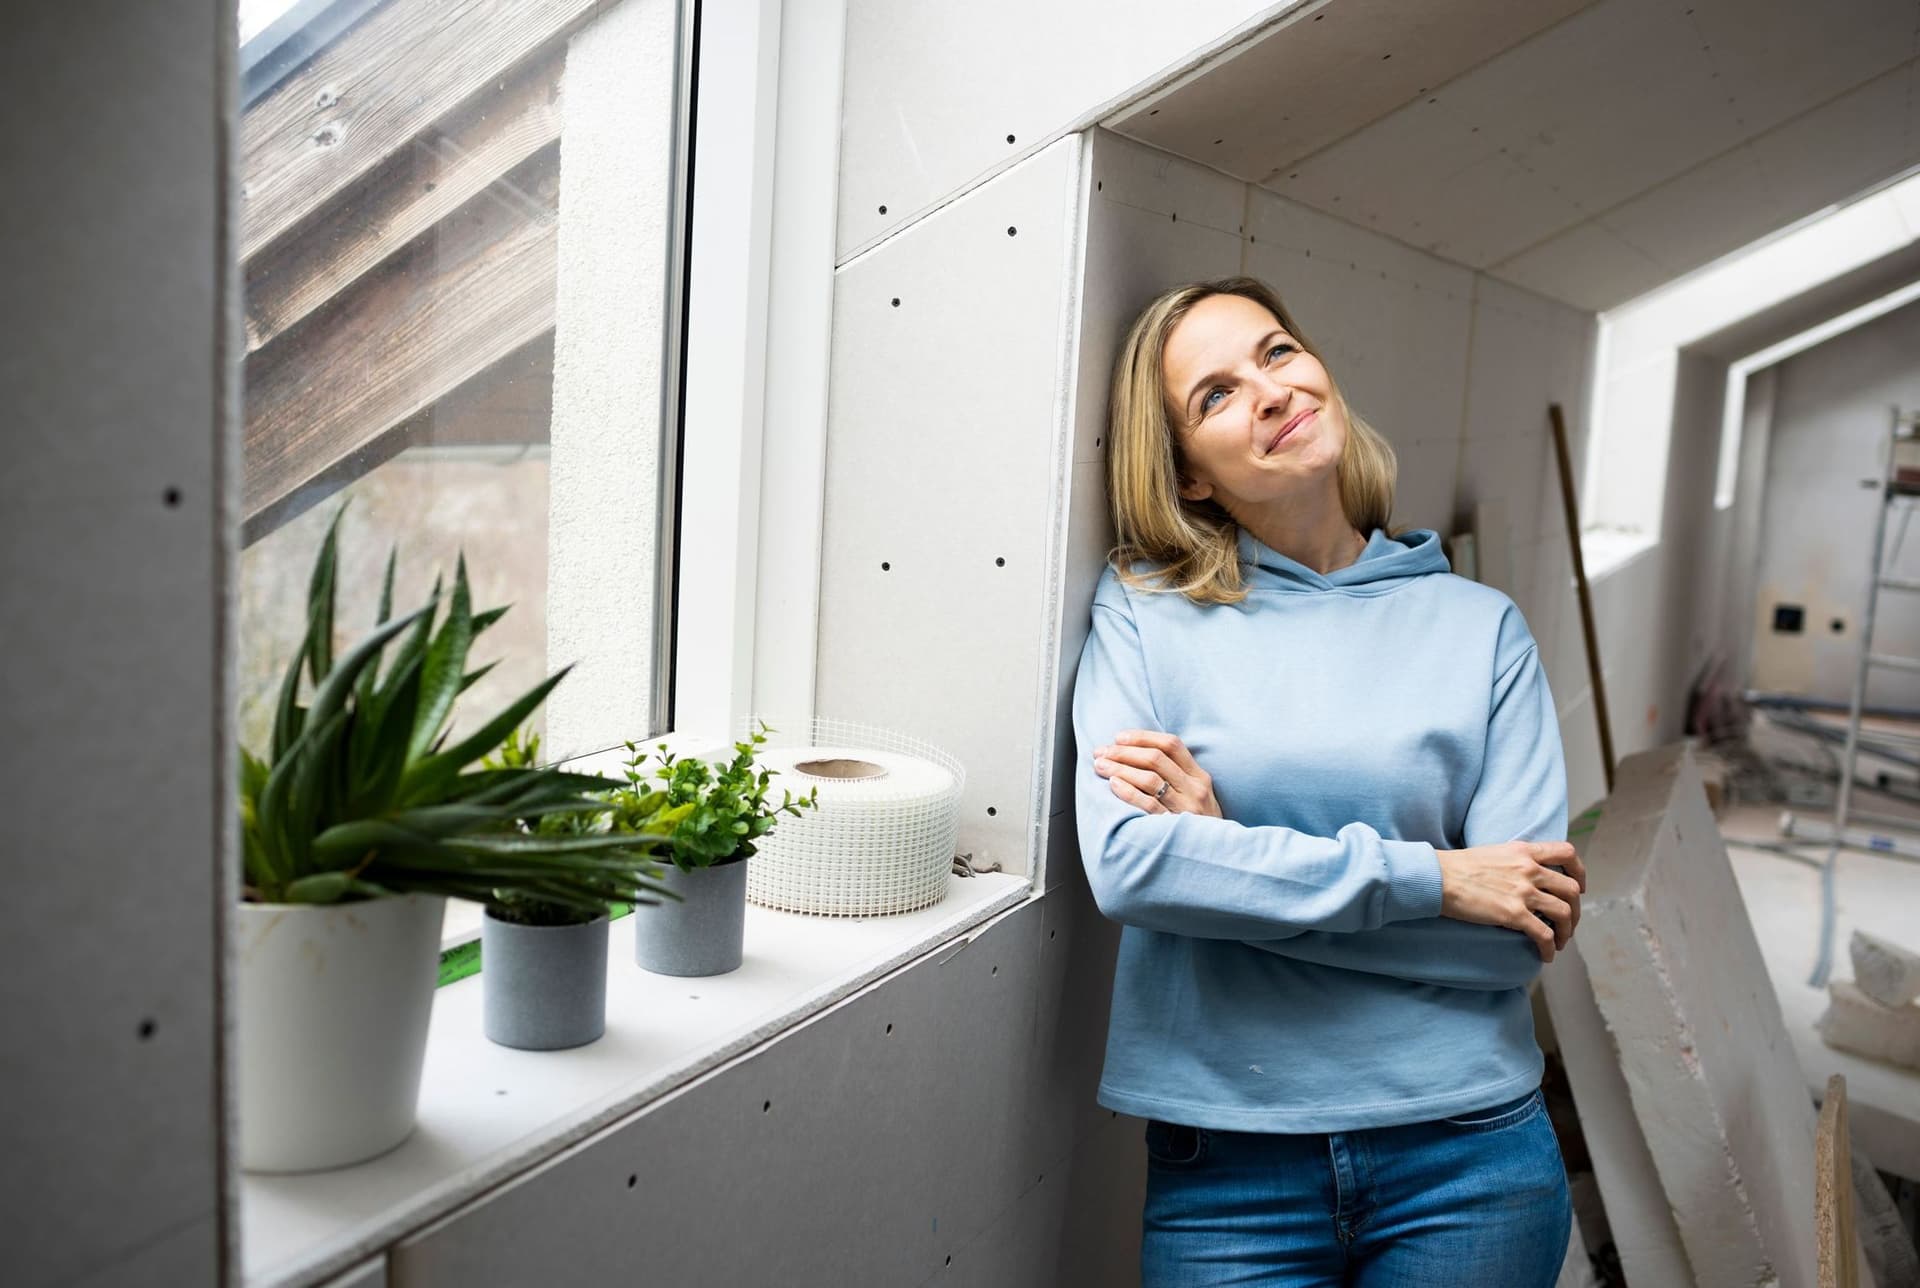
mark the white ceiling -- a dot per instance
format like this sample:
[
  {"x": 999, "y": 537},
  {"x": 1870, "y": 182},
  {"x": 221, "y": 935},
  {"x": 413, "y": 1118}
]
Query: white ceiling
[{"x": 1588, "y": 151}]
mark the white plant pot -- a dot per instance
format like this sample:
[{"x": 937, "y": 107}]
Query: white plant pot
[{"x": 333, "y": 1010}]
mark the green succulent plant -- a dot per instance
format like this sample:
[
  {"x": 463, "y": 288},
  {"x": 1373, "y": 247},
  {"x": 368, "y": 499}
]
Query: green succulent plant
[{"x": 361, "y": 795}]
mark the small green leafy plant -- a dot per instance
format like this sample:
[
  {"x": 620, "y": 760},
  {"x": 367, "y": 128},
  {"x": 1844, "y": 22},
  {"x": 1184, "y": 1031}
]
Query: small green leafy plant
[
  {"x": 710, "y": 814},
  {"x": 361, "y": 795}
]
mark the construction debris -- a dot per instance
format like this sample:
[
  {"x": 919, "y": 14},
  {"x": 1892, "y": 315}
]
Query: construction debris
[
  {"x": 1833, "y": 1191},
  {"x": 1855, "y": 1022},
  {"x": 1885, "y": 972},
  {"x": 1711, "y": 1073}
]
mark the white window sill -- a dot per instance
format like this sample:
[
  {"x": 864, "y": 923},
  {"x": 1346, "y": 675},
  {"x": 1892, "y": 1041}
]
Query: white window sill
[
  {"x": 1605, "y": 551},
  {"x": 489, "y": 1112}
]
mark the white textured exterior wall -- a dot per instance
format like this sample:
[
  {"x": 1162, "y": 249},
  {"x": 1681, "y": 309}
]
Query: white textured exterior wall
[{"x": 607, "y": 361}]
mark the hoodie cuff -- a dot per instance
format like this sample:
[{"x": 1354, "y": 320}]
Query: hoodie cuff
[{"x": 1413, "y": 881}]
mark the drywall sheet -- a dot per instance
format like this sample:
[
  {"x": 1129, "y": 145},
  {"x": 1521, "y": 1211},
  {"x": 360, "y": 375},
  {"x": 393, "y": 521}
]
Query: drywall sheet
[
  {"x": 115, "y": 538},
  {"x": 1337, "y": 67},
  {"x": 946, "y": 447},
  {"x": 867, "y": 1146},
  {"x": 368, "y": 1274},
  {"x": 940, "y": 96},
  {"x": 1643, "y": 1227},
  {"x": 1712, "y": 1075}
]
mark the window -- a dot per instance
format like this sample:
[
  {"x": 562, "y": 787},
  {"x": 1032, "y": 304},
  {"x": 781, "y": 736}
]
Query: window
[{"x": 459, "y": 241}]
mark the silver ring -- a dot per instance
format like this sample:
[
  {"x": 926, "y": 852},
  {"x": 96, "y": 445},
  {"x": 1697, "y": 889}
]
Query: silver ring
[{"x": 1165, "y": 787}]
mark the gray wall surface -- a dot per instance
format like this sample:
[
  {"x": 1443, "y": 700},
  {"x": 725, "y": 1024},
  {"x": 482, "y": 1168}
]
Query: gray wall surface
[
  {"x": 115, "y": 539},
  {"x": 1828, "y": 433}
]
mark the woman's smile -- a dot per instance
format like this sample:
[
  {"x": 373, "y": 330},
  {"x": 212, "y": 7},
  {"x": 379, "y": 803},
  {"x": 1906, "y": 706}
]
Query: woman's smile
[{"x": 1287, "y": 429}]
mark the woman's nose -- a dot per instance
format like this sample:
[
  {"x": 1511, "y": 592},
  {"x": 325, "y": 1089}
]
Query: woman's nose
[{"x": 1272, "y": 395}]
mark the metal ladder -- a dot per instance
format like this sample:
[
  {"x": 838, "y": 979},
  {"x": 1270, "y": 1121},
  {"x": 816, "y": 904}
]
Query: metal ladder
[{"x": 1894, "y": 494}]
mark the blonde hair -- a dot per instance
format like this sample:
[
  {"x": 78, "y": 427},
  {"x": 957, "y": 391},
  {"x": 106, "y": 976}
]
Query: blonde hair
[{"x": 1196, "y": 544}]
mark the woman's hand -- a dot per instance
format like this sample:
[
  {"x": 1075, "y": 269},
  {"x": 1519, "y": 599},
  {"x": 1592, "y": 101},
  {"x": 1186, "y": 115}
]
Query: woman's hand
[
  {"x": 1507, "y": 885},
  {"x": 1155, "y": 772}
]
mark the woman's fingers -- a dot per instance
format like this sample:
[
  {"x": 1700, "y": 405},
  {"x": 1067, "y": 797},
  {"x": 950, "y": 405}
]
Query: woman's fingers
[
  {"x": 1558, "y": 885},
  {"x": 1145, "y": 780},
  {"x": 1560, "y": 913},
  {"x": 1166, "y": 744},
  {"x": 1151, "y": 759},
  {"x": 1132, "y": 795}
]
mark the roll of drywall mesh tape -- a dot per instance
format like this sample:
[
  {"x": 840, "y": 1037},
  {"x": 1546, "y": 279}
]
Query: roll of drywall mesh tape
[{"x": 881, "y": 839}]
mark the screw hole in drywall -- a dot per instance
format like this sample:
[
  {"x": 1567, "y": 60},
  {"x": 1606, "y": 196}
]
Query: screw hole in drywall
[
  {"x": 991, "y": 811},
  {"x": 1176, "y": 216},
  {"x": 889, "y": 1030},
  {"x": 146, "y": 1029},
  {"x": 1099, "y": 185},
  {"x": 1000, "y": 562},
  {"x": 1096, "y": 442},
  {"x": 1052, "y": 933},
  {"x": 1012, "y": 231},
  {"x": 1384, "y": 57},
  {"x": 1009, "y": 138},
  {"x": 883, "y": 210},
  {"x": 171, "y": 497},
  {"x": 896, "y": 301},
  {"x": 949, "y": 1258},
  {"x": 1154, "y": 112},
  {"x": 499, "y": 1091},
  {"x": 766, "y": 1106},
  {"x": 633, "y": 1179},
  {"x": 994, "y": 971},
  {"x": 885, "y": 566}
]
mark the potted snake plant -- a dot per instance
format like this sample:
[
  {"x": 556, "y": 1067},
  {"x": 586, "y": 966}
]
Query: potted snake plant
[
  {"x": 712, "y": 814},
  {"x": 361, "y": 819}
]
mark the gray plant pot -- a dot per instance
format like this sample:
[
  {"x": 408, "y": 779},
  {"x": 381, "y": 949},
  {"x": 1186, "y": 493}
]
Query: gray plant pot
[
  {"x": 703, "y": 933},
  {"x": 543, "y": 987}
]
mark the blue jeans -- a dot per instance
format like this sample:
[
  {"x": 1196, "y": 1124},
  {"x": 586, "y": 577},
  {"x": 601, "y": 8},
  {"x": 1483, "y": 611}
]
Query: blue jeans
[{"x": 1479, "y": 1200}]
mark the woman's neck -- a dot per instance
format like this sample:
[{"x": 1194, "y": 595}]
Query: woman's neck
[{"x": 1312, "y": 531}]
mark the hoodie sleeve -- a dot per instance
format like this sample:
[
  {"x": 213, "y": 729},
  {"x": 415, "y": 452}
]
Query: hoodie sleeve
[
  {"x": 1213, "y": 878},
  {"x": 1521, "y": 795}
]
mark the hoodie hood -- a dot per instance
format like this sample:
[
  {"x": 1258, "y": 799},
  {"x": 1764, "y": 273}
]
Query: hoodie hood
[{"x": 1382, "y": 566}]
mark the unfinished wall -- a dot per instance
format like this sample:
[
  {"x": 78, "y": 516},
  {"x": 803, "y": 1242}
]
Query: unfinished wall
[
  {"x": 116, "y": 551},
  {"x": 1828, "y": 433}
]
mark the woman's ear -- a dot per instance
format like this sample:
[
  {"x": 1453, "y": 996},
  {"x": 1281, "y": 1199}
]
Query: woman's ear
[{"x": 1194, "y": 490}]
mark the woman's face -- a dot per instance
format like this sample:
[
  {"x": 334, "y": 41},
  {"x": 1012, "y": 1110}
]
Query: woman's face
[{"x": 1254, "y": 413}]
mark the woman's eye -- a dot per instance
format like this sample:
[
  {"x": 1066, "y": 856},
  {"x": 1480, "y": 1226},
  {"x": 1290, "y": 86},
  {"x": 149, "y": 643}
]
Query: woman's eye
[
  {"x": 1278, "y": 348},
  {"x": 1212, "y": 399}
]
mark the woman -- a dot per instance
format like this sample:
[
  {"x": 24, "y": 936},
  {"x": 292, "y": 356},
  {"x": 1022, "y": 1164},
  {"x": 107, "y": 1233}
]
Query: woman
[{"x": 1321, "y": 787}]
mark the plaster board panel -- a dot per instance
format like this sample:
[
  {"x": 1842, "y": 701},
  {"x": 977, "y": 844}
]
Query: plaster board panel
[
  {"x": 1778, "y": 60},
  {"x": 1588, "y": 266},
  {"x": 1078, "y": 947},
  {"x": 117, "y": 534},
  {"x": 1847, "y": 144},
  {"x": 942, "y": 450},
  {"x": 819, "y": 1200},
  {"x": 1502, "y": 470},
  {"x": 368, "y": 1274},
  {"x": 1154, "y": 221},
  {"x": 1089, "y": 538},
  {"x": 939, "y": 96},
  {"x": 1078, "y": 1226},
  {"x": 1323, "y": 73},
  {"x": 1643, "y": 1227},
  {"x": 1712, "y": 1075}
]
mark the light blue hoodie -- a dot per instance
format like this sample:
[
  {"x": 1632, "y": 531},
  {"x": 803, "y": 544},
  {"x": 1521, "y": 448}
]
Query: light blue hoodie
[{"x": 1285, "y": 968}]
